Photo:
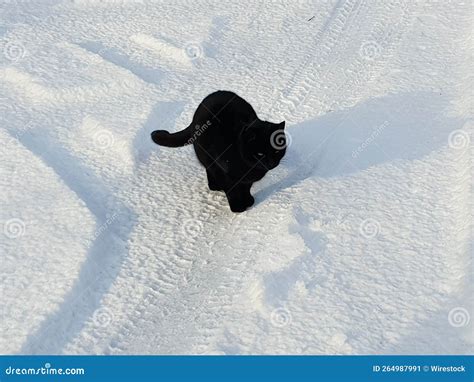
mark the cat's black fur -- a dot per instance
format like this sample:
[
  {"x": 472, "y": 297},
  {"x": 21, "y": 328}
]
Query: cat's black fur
[{"x": 232, "y": 143}]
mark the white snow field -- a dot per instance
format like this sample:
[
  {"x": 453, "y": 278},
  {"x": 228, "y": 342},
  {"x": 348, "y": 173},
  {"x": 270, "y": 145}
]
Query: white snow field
[{"x": 360, "y": 242}]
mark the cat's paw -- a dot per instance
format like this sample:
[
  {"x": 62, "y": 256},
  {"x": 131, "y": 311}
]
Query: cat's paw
[
  {"x": 250, "y": 201},
  {"x": 237, "y": 207},
  {"x": 242, "y": 204}
]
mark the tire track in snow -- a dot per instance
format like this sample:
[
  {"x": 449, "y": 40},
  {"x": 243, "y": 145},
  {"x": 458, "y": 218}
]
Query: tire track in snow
[
  {"x": 175, "y": 272},
  {"x": 385, "y": 39},
  {"x": 225, "y": 275},
  {"x": 171, "y": 267},
  {"x": 167, "y": 252},
  {"x": 348, "y": 11},
  {"x": 181, "y": 277},
  {"x": 230, "y": 283},
  {"x": 215, "y": 279},
  {"x": 106, "y": 251},
  {"x": 319, "y": 81},
  {"x": 324, "y": 40},
  {"x": 361, "y": 70}
]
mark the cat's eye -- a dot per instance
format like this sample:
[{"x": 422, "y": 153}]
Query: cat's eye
[{"x": 260, "y": 154}]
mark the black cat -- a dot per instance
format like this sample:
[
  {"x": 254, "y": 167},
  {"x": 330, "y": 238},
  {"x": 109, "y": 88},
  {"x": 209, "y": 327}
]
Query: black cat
[{"x": 232, "y": 143}]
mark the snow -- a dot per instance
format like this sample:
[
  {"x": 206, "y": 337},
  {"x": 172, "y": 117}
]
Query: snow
[{"x": 360, "y": 242}]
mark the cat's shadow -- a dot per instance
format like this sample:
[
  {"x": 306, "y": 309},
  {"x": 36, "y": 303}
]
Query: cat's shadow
[{"x": 395, "y": 127}]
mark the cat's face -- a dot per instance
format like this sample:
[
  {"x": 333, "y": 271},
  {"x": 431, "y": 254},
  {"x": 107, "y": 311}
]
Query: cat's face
[{"x": 264, "y": 145}]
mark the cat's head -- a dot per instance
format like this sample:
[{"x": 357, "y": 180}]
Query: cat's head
[{"x": 263, "y": 144}]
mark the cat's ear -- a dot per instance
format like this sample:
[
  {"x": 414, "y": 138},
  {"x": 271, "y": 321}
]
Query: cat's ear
[{"x": 278, "y": 126}]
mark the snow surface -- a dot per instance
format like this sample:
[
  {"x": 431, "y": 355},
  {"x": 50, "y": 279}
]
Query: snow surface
[{"x": 360, "y": 242}]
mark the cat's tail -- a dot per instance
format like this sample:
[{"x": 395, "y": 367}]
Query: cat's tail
[{"x": 165, "y": 138}]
